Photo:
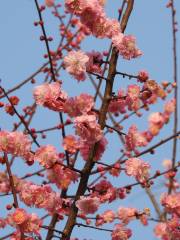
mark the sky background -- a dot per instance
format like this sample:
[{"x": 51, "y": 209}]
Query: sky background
[{"x": 21, "y": 54}]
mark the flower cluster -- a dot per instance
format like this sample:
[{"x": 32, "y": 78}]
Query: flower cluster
[
  {"x": 156, "y": 120},
  {"x": 134, "y": 139},
  {"x": 75, "y": 63},
  {"x": 79, "y": 105},
  {"x": 171, "y": 203},
  {"x": 61, "y": 176},
  {"x": 135, "y": 96},
  {"x": 39, "y": 196},
  {"x": 70, "y": 144},
  {"x": 50, "y": 95},
  {"x": 4, "y": 183},
  {"x": 137, "y": 168},
  {"x": 168, "y": 230},
  {"x": 28, "y": 223},
  {"x": 105, "y": 191},
  {"x": 85, "y": 149},
  {"x": 87, "y": 128},
  {"x": 120, "y": 232},
  {"x": 126, "y": 45},
  {"x": 47, "y": 156},
  {"x": 88, "y": 205},
  {"x": 15, "y": 143}
]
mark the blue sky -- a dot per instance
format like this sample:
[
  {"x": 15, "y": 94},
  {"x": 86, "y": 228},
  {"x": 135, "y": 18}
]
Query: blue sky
[{"x": 21, "y": 53}]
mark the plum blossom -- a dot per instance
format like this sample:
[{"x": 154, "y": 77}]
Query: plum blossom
[
  {"x": 70, "y": 144},
  {"x": 118, "y": 105},
  {"x": 3, "y": 223},
  {"x": 126, "y": 214},
  {"x": 4, "y": 183},
  {"x": 94, "y": 63},
  {"x": 137, "y": 168},
  {"x": 168, "y": 230},
  {"x": 156, "y": 122},
  {"x": 88, "y": 205},
  {"x": 85, "y": 149},
  {"x": 87, "y": 128},
  {"x": 143, "y": 76},
  {"x": 17, "y": 217},
  {"x": 61, "y": 176},
  {"x": 50, "y": 95},
  {"x": 75, "y": 63},
  {"x": 79, "y": 105},
  {"x": 107, "y": 217},
  {"x": 46, "y": 156},
  {"x": 121, "y": 233},
  {"x": 169, "y": 108},
  {"x": 101, "y": 26},
  {"x": 134, "y": 139},
  {"x": 49, "y": 3},
  {"x": 132, "y": 98},
  {"x": 74, "y": 6},
  {"x": 39, "y": 196},
  {"x": 15, "y": 143},
  {"x": 105, "y": 191},
  {"x": 29, "y": 223},
  {"x": 171, "y": 203},
  {"x": 126, "y": 45}
]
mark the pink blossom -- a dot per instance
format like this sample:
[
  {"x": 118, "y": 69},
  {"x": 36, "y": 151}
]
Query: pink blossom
[
  {"x": 94, "y": 63},
  {"x": 132, "y": 98},
  {"x": 168, "y": 230},
  {"x": 74, "y": 6},
  {"x": 50, "y": 96},
  {"x": 85, "y": 149},
  {"x": 126, "y": 45},
  {"x": 169, "y": 106},
  {"x": 143, "y": 76},
  {"x": 79, "y": 105},
  {"x": 75, "y": 63},
  {"x": 49, "y": 3},
  {"x": 15, "y": 143},
  {"x": 46, "y": 156},
  {"x": 137, "y": 168},
  {"x": 107, "y": 217},
  {"x": 115, "y": 170},
  {"x": 105, "y": 191},
  {"x": 121, "y": 233},
  {"x": 167, "y": 163},
  {"x": 40, "y": 196},
  {"x": 156, "y": 122},
  {"x": 134, "y": 139},
  {"x": 112, "y": 27},
  {"x": 88, "y": 205},
  {"x": 18, "y": 217},
  {"x": 160, "y": 229},
  {"x": 118, "y": 105},
  {"x": 171, "y": 202},
  {"x": 126, "y": 214},
  {"x": 3, "y": 223},
  {"x": 29, "y": 223},
  {"x": 4, "y": 183},
  {"x": 61, "y": 176},
  {"x": 70, "y": 144},
  {"x": 87, "y": 128}
]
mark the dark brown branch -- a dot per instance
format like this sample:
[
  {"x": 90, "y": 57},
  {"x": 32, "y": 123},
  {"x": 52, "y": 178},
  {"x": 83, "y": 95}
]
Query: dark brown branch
[{"x": 102, "y": 121}]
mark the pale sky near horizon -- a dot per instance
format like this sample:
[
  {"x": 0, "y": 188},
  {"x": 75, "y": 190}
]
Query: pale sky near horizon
[{"x": 21, "y": 53}]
